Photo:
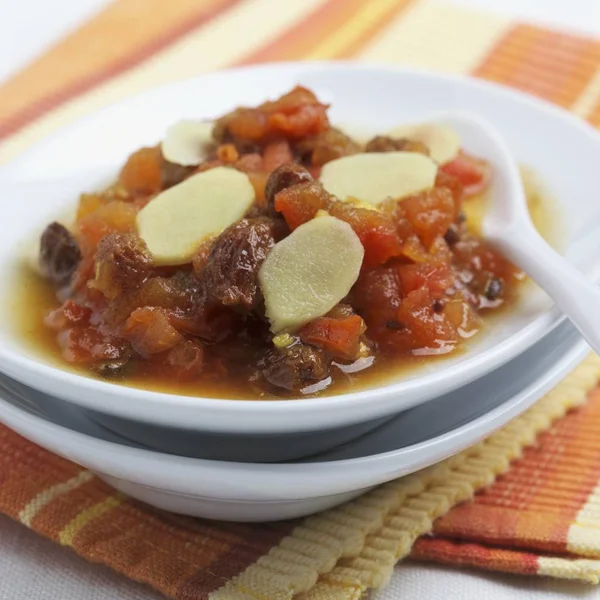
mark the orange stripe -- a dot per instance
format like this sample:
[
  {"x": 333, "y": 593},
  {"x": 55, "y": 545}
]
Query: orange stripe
[
  {"x": 594, "y": 117},
  {"x": 305, "y": 35},
  {"x": 475, "y": 555},
  {"x": 552, "y": 65},
  {"x": 125, "y": 34}
]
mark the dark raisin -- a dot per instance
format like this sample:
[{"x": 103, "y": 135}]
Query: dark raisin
[
  {"x": 59, "y": 254},
  {"x": 326, "y": 146},
  {"x": 284, "y": 177},
  {"x": 231, "y": 270},
  {"x": 111, "y": 368},
  {"x": 438, "y": 306},
  {"x": 384, "y": 143},
  {"x": 395, "y": 325},
  {"x": 452, "y": 236},
  {"x": 493, "y": 288},
  {"x": 172, "y": 173},
  {"x": 295, "y": 367},
  {"x": 122, "y": 264}
]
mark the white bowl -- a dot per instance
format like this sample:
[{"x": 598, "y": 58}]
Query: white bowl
[
  {"x": 47, "y": 179},
  {"x": 238, "y": 491}
]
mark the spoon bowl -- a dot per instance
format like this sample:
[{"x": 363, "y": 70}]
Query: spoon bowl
[{"x": 507, "y": 225}]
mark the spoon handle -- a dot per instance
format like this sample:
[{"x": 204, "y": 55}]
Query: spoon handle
[{"x": 577, "y": 297}]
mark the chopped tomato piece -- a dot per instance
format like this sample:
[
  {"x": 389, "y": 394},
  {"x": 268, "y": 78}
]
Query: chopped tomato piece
[
  {"x": 375, "y": 230},
  {"x": 339, "y": 337},
  {"x": 455, "y": 186},
  {"x": 378, "y": 293},
  {"x": 473, "y": 173},
  {"x": 295, "y": 115},
  {"x": 418, "y": 328},
  {"x": 430, "y": 213},
  {"x": 300, "y": 203},
  {"x": 434, "y": 277}
]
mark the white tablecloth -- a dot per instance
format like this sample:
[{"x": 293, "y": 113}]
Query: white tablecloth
[{"x": 32, "y": 568}]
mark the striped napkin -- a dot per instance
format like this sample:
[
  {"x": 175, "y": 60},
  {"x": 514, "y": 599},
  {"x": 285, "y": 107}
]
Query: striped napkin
[{"x": 535, "y": 504}]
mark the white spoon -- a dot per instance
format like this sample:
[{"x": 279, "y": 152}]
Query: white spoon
[{"x": 508, "y": 226}]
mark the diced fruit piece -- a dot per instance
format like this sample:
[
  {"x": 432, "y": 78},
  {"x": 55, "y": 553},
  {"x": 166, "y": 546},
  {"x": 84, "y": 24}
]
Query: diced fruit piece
[
  {"x": 309, "y": 272},
  {"x": 442, "y": 141},
  {"x": 373, "y": 176},
  {"x": 175, "y": 223},
  {"x": 418, "y": 328},
  {"x": 375, "y": 230},
  {"x": 187, "y": 142},
  {"x": 430, "y": 213},
  {"x": 473, "y": 173},
  {"x": 301, "y": 202},
  {"x": 339, "y": 337},
  {"x": 186, "y": 359},
  {"x": 142, "y": 172},
  {"x": 108, "y": 218},
  {"x": 276, "y": 154},
  {"x": 149, "y": 331},
  {"x": 82, "y": 344},
  {"x": 295, "y": 115}
]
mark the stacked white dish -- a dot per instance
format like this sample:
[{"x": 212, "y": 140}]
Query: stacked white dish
[{"x": 230, "y": 459}]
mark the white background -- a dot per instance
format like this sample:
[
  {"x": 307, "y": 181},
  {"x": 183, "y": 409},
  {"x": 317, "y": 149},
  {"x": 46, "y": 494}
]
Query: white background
[{"x": 32, "y": 568}]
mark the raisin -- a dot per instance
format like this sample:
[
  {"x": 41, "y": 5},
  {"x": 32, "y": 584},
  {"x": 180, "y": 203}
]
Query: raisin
[
  {"x": 493, "y": 289},
  {"x": 231, "y": 271},
  {"x": 295, "y": 367},
  {"x": 59, "y": 254},
  {"x": 438, "y": 306},
  {"x": 452, "y": 236},
  {"x": 111, "y": 368},
  {"x": 283, "y": 177},
  {"x": 384, "y": 143},
  {"x": 122, "y": 264}
]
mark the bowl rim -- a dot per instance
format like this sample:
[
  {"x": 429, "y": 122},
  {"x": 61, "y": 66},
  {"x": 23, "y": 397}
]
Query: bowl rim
[{"x": 119, "y": 399}]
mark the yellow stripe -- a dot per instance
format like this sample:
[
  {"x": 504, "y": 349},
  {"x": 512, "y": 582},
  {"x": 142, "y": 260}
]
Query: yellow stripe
[
  {"x": 335, "y": 43},
  {"x": 579, "y": 570},
  {"x": 590, "y": 96},
  {"x": 46, "y": 496},
  {"x": 431, "y": 35},
  {"x": 67, "y": 535}
]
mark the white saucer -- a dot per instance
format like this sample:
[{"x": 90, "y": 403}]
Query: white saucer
[{"x": 254, "y": 492}]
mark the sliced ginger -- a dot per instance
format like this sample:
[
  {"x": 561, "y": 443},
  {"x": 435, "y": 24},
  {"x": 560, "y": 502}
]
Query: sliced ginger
[
  {"x": 309, "y": 272},
  {"x": 186, "y": 143},
  {"x": 373, "y": 177},
  {"x": 178, "y": 220}
]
